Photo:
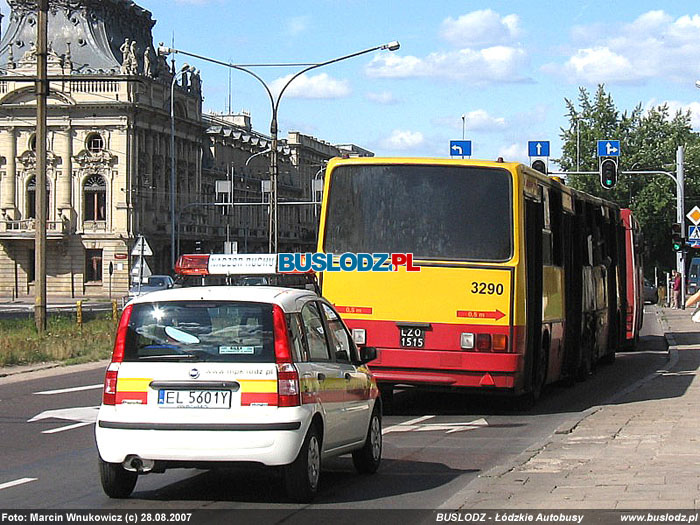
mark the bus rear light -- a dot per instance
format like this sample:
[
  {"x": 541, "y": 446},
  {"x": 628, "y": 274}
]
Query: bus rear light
[
  {"x": 500, "y": 342},
  {"x": 359, "y": 335},
  {"x": 466, "y": 341},
  {"x": 483, "y": 342}
]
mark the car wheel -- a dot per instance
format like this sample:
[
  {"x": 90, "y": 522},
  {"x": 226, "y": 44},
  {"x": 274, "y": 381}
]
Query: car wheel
[
  {"x": 368, "y": 458},
  {"x": 301, "y": 477},
  {"x": 117, "y": 482}
]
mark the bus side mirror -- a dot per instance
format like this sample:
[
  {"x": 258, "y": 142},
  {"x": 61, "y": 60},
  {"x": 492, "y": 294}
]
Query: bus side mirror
[{"x": 367, "y": 354}]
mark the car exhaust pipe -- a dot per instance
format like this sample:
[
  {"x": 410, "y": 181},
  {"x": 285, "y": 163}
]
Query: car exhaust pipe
[{"x": 136, "y": 464}]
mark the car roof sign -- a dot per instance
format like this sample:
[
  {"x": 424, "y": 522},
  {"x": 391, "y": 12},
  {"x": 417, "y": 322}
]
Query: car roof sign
[{"x": 237, "y": 264}]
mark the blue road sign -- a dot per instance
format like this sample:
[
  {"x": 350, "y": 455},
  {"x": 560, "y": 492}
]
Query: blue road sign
[
  {"x": 608, "y": 148},
  {"x": 538, "y": 148},
  {"x": 694, "y": 233},
  {"x": 462, "y": 148}
]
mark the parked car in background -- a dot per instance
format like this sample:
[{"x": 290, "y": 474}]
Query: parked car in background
[
  {"x": 694, "y": 276},
  {"x": 155, "y": 283},
  {"x": 651, "y": 293}
]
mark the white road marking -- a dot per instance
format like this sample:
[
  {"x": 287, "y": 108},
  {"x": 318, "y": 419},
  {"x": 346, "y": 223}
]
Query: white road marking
[
  {"x": 83, "y": 415},
  {"x": 16, "y": 482},
  {"x": 67, "y": 427},
  {"x": 66, "y": 390},
  {"x": 405, "y": 426},
  {"x": 449, "y": 428}
]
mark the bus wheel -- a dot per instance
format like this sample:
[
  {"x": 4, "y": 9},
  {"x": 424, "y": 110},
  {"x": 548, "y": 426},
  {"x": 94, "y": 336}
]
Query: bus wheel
[
  {"x": 539, "y": 372},
  {"x": 387, "y": 393},
  {"x": 585, "y": 366}
]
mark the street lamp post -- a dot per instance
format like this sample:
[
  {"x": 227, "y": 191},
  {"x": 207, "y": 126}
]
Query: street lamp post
[
  {"x": 274, "y": 103},
  {"x": 173, "y": 177}
]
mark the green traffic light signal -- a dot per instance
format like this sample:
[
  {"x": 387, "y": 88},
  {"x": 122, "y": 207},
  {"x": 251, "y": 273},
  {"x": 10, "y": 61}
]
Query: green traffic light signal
[
  {"x": 608, "y": 173},
  {"x": 677, "y": 241}
]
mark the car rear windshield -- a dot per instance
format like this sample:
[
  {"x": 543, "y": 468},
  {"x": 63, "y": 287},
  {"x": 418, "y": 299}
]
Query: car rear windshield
[
  {"x": 232, "y": 332},
  {"x": 433, "y": 212}
]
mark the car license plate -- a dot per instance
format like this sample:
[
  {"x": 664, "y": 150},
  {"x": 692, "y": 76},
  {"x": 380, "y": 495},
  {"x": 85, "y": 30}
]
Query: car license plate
[
  {"x": 412, "y": 337},
  {"x": 194, "y": 398}
]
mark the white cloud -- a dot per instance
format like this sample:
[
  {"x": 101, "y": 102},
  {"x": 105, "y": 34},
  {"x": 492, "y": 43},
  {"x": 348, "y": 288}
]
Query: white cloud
[
  {"x": 674, "y": 106},
  {"x": 492, "y": 64},
  {"x": 318, "y": 86},
  {"x": 297, "y": 25},
  {"x": 478, "y": 120},
  {"x": 600, "y": 64},
  {"x": 384, "y": 97},
  {"x": 480, "y": 29},
  {"x": 514, "y": 153},
  {"x": 403, "y": 140},
  {"x": 653, "y": 45}
]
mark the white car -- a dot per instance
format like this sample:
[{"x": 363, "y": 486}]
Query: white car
[{"x": 209, "y": 375}]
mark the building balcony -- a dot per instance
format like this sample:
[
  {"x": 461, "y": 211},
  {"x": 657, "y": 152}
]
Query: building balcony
[{"x": 26, "y": 229}]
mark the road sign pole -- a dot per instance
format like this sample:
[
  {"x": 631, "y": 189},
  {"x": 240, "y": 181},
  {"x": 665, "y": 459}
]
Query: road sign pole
[{"x": 680, "y": 214}]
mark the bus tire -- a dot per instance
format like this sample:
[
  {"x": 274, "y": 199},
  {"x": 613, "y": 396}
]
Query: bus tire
[
  {"x": 387, "y": 394},
  {"x": 585, "y": 366}
]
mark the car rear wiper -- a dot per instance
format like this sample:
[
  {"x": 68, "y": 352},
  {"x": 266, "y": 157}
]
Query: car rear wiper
[{"x": 170, "y": 356}]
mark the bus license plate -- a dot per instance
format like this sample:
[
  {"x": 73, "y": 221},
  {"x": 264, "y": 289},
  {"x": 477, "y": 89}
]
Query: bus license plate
[
  {"x": 194, "y": 398},
  {"x": 412, "y": 337}
]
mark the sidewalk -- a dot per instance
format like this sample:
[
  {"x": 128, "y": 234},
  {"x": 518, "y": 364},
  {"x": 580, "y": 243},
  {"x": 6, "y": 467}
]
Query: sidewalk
[{"x": 642, "y": 450}]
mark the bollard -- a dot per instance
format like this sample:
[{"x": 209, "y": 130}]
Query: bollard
[
  {"x": 79, "y": 313},
  {"x": 114, "y": 310}
]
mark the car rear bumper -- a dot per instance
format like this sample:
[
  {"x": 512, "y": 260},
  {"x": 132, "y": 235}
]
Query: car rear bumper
[{"x": 266, "y": 443}]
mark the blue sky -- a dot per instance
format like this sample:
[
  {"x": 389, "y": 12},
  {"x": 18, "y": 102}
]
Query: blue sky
[{"x": 507, "y": 66}]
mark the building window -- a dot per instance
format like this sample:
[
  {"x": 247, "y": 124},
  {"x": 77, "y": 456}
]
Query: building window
[
  {"x": 32, "y": 143},
  {"x": 31, "y": 198},
  {"x": 93, "y": 266},
  {"x": 95, "y": 143},
  {"x": 95, "y": 198}
]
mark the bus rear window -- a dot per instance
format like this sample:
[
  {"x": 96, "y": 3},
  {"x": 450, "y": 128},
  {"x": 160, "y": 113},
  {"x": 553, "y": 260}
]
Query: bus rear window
[
  {"x": 434, "y": 212},
  {"x": 200, "y": 331}
]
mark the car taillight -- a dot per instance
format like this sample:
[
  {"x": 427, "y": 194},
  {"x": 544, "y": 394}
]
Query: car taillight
[
  {"x": 288, "y": 391},
  {"x": 287, "y": 385},
  {"x": 109, "y": 395}
]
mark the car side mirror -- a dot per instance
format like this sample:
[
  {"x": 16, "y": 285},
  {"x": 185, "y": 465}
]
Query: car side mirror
[{"x": 367, "y": 354}]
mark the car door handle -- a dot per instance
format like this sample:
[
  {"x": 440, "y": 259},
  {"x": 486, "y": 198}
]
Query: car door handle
[{"x": 320, "y": 376}]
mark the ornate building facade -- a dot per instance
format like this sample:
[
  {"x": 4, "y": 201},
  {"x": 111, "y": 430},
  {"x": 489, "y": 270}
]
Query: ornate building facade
[{"x": 109, "y": 158}]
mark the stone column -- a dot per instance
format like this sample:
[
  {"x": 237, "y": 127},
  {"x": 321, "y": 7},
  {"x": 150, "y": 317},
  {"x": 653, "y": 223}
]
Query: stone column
[
  {"x": 63, "y": 191},
  {"x": 9, "y": 149}
]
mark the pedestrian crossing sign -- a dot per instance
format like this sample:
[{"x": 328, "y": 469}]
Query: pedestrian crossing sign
[{"x": 694, "y": 233}]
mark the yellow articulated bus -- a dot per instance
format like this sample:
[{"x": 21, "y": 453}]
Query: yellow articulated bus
[{"x": 521, "y": 281}]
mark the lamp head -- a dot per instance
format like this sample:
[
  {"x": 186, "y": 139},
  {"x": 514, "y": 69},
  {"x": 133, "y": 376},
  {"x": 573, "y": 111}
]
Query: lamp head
[{"x": 392, "y": 46}]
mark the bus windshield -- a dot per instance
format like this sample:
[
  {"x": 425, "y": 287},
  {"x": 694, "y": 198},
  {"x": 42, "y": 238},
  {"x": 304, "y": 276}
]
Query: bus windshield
[{"x": 434, "y": 212}]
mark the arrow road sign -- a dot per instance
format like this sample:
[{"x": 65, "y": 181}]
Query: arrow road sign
[
  {"x": 538, "y": 148},
  {"x": 608, "y": 148},
  {"x": 461, "y": 148}
]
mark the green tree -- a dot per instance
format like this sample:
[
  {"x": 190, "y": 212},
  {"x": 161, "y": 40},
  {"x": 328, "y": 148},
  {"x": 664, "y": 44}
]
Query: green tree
[{"x": 648, "y": 141}]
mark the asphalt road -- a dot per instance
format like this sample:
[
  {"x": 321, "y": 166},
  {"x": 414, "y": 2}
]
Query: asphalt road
[{"x": 435, "y": 444}]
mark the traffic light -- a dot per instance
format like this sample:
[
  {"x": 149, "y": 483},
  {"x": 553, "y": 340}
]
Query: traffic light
[
  {"x": 540, "y": 166},
  {"x": 608, "y": 173},
  {"x": 677, "y": 236}
]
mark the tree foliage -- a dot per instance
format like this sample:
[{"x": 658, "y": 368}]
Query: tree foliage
[{"x": 648, "y": 141}]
